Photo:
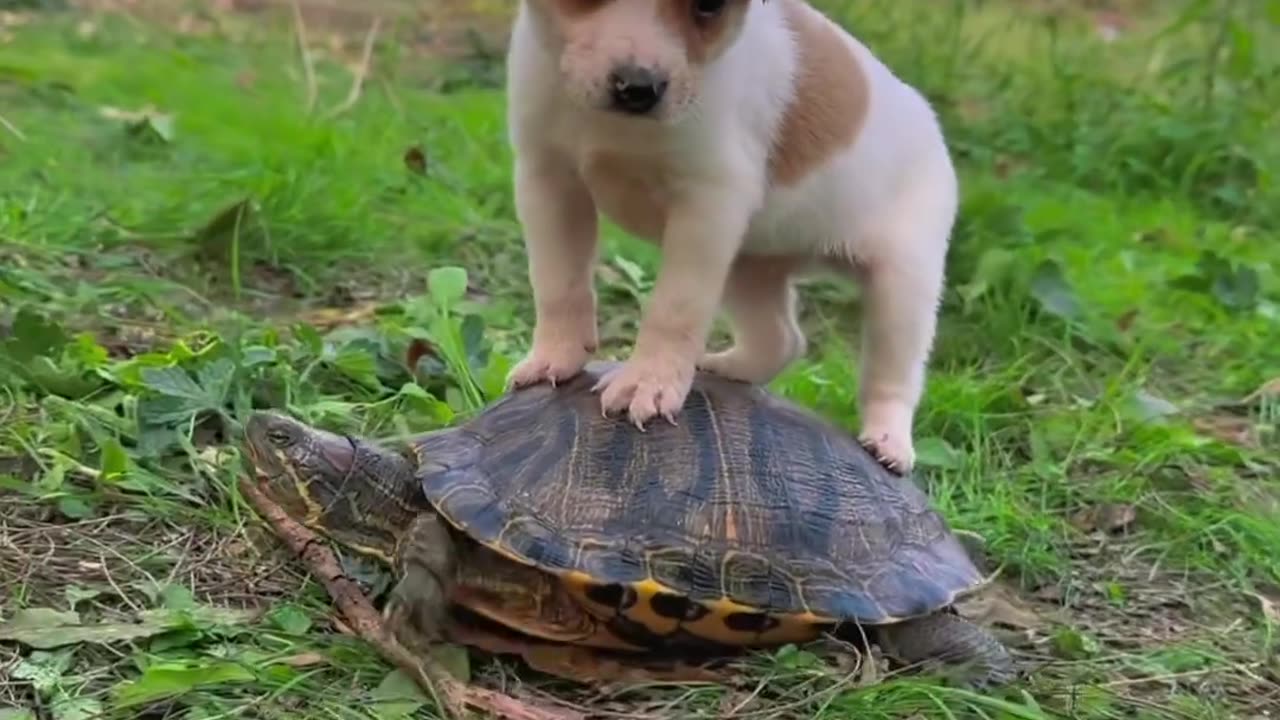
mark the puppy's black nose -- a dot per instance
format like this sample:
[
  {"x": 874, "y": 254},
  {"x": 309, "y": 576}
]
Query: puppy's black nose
[{"x": 635, "y": 89}]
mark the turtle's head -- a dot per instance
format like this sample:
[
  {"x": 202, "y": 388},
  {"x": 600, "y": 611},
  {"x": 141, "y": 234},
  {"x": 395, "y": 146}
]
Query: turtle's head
[{"x": 358, "y": 493}]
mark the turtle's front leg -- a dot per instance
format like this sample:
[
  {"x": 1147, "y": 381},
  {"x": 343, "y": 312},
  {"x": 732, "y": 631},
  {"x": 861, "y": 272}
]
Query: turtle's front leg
[
  {"x": 949, "y": 642},
  {"x": 426, "y": 562}
]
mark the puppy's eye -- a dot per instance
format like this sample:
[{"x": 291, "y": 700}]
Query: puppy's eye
[{"x": 707, "y": 9}]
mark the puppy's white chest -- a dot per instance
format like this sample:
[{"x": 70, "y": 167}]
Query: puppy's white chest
[{"x": 630, "y": 191}]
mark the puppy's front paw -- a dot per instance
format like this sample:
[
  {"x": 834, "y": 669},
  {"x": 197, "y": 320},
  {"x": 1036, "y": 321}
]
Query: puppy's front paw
[
  {"x": 646, "y": 387},
  {"x": 892, "y": 450},
  {"x": 549, "y": 362}
]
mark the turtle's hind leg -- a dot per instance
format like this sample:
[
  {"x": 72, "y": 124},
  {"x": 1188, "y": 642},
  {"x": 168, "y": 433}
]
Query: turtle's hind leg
[
  {"x": 944, "y": 639},
  {"x": 418, "y": 604}
]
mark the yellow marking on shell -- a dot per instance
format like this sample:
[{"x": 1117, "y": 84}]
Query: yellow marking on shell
[
  {"x": 576, "y": 583},
  {"x": 505, "y": 551},
  {"x": 643, "y": 612},
  {"x": 784, "y": 628}
]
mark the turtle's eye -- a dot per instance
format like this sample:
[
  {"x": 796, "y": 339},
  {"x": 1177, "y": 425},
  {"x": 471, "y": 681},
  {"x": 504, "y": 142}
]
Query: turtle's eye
[
  {"x": 708, "y": 9},
  {"x": 280, "y": 438}
]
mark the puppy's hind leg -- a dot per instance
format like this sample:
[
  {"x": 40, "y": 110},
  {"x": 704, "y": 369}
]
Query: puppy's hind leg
[
  {"x": 902, "y": 276},
  {"x": 559, "y": 220},
  {"x": 761, "y": 304}
]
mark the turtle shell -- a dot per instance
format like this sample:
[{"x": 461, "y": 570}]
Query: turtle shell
[{"x": 750, "y": 521}]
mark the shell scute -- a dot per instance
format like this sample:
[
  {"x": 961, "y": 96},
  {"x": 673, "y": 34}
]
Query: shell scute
[{"x": 529, "y": 537}]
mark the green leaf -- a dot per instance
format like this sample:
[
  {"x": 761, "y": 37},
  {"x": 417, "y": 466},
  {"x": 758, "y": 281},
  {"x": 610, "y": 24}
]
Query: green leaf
[
  {"x": 48, "y": 628},
  {"x": 1146, "y": 406},
  {"x": 359, "y": 364},
  {"x": 1074, "y": 645},
  {"x": 936, "y": 452},
  {"x": 177, "y": 597},
  {"x": 152, "y": 127},
  {"x": 76, "y": 708},
  {"x": 1236, "y": 288},
  {"x": 115, "y": 461},
  {"x": 991, "y": 271},
  {"x": 172, "y": 680},
  {"x": 447, "y": 285},
  {"x": 75, "y": 508},
  {"x": 291, "y": 619},
  {"x": 76, "y": 594},
  {"x": 172, "y": 382},
  {"x": 16, "y": 714},
  {"x": 254, "y": 355},
  {"x": 34, "y": 334},
  {"x": 177, "y": 396},
  {"x": 1050, "y": 288},
  {"x": 455, "y": 659},
  {"x": 397, "y": 696},
  {"x": 473, "y": 340},
  {"x": 1273, "y": 12},
  {"x": 44, "y": 669},
  {"x": 309, "y": 338},
  {"x": 215, "y": 381}
]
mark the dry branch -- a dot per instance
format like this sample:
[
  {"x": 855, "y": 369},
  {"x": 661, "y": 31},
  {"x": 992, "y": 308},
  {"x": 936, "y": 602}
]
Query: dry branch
[{"x": 451, "y": 695}]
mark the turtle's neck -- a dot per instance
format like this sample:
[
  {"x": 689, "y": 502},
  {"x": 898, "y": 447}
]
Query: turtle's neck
[{"x": 376, "y": 501}]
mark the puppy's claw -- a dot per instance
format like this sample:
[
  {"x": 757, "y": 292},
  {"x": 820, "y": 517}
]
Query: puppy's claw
[{"x": 885, "y": 461}]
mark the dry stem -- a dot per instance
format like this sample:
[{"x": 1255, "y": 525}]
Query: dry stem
[{"x": 451, "y": 695}]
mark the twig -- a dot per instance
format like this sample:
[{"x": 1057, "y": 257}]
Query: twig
[
  {"x": 361, "y": 72},
  {"x": 450, "y": 694},
  {"x": 308, "y": 69},
  {"x": 12, "y": 128}
]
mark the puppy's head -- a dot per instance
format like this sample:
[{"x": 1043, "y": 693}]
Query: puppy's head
[{"x": 640, "y": 58}]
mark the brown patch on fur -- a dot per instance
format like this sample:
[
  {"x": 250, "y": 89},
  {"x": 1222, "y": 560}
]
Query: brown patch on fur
[
  {"x": 831, "y": 98},
  {"x": 702, "y": 40}
]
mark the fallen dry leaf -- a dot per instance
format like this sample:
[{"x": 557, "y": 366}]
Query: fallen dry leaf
[
  {"x": 1268, "y": 390},
  {"x": 1230, "y": 429},
  {"x": 1052, "y": 592},
  {"x": 329, "y": 318},
  {"x": 306, "y": 659},
  {"x": 1125, "y": 321},
  {"x": 415, "y": 159},
  {"x": 419, "y": 349},
  {"x": 1270, "y": 607},
  {"x": 1107, "y": 517}
]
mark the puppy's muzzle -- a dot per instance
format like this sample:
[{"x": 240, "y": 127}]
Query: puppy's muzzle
[{"x": 636, "y": 90}]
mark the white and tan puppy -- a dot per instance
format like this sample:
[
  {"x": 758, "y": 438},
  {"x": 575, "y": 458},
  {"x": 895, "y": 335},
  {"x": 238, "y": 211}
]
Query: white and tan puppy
[{"x": 753, "y": 140}]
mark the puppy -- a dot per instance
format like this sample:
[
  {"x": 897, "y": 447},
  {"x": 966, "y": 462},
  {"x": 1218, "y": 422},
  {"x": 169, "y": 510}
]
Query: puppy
[{"x": 753, "y": 140}]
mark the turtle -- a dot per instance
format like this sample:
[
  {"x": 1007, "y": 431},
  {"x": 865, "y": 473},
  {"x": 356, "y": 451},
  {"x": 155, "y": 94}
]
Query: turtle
[{"x": 749, "y": 522}]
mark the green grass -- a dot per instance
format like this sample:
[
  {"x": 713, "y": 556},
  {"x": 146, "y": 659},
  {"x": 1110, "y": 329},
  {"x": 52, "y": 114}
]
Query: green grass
[{"x": 1098, "y": 406}]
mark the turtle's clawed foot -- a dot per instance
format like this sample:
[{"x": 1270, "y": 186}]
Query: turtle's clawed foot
[{"x": 952, "y": 645}]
